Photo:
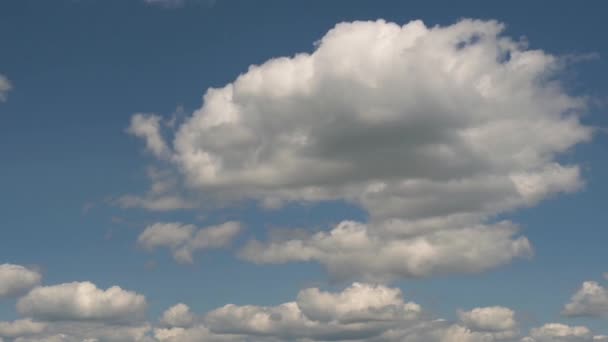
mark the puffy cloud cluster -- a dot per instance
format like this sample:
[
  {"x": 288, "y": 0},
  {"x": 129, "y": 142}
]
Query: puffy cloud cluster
[
  {"x": 290, "y": 321},
  {"x": 82, "y": 302},
  {"x": 432, "y": 130},
  {"x": 76, "y": 312},
  {"x": 590, "y": 300},
  {"x": 15, "y": 279},
  {"x": 360, "y": 311},
  {"x": 184, "y": 240},
  {"x": 5, "y": 87}
]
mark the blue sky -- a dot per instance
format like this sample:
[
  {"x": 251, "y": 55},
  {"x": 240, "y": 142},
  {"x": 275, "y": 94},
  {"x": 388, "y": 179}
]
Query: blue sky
[{"x": 80, "y": 70}]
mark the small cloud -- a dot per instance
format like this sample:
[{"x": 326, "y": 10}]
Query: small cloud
[
  {"x": 5, "y": 87},
  {"x": 184, "y": 240},
  {"x": 177, "y": 3}
]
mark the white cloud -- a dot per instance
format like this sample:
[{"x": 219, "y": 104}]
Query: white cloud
[
  {"x": 170, "y": 235},
  {"x": 15, "y": 279},
  {"x": 184, "y": 240},
  {"x": 360, "y": 311},
  {"x": 332, "y": 124},
  {"x": 178, "y": 315},
  {"x": 433, "y": 131},
  {"x": 354, "y": 249},
  {"x": 590, "y": 300},
  {"x": 147, "y": 127},
  {"x": 358, "y": 303},
  {"x": 495, "y": 318},
  {"x": 555, "y": 332},
  {"x": 5, "y": 87},
  {"x": 19, "y": 328},
  {"x": 82, "y": 302}
]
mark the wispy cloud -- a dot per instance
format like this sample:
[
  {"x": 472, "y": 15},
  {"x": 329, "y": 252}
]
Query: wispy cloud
[
  {"x": 177, "y": 3},
  {"x": 5, "y": 87}
]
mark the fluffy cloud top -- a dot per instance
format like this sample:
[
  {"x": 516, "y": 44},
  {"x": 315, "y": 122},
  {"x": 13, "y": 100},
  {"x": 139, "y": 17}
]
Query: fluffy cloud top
[
  {"x": 82, "y": 302},
  {"x": 432, "y": 130},
  {"x": 5, "y": 87},
  {"x": 183, "y": 240},
  {"x": 15, "y": 279},
  {"x": 590, "y": 300},
  {"x": 379, "y": 111}
]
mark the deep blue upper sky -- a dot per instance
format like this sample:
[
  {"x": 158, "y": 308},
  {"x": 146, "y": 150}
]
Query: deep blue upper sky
[{"x": 80, "y": 69}]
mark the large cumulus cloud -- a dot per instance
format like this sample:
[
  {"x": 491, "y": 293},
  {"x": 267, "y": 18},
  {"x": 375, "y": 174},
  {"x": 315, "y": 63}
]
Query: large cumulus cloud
[{"x": 432, "y": 130}]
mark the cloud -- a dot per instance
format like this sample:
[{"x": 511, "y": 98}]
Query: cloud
[
  {"x": 432, "y": 130},
  {"x": 163, "y": 196},
  {"x": 357, "y": 303},
  {"x": 147, "y": 127},
  {"x": 555, "y": 332},
  {"x": 590, "y": 300},
  {"x": 361, "y": 312},
  {"x": 177, "y": 3},
  {"x": 178, "y": 315},
  {"x": 5, "y": 87},
  {"x": 184, "y": 240},
  {"x": 493, "y": 318},
  {"x": 15, "y": 279},
  {"x": 354, "y": 249},
  {"x": 19, "y": 328},
  {"x": 82, "y": 302}
]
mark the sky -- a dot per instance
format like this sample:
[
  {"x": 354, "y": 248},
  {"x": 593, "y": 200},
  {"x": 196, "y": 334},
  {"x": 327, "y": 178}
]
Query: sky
[{"x": 303, "y": 171}]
